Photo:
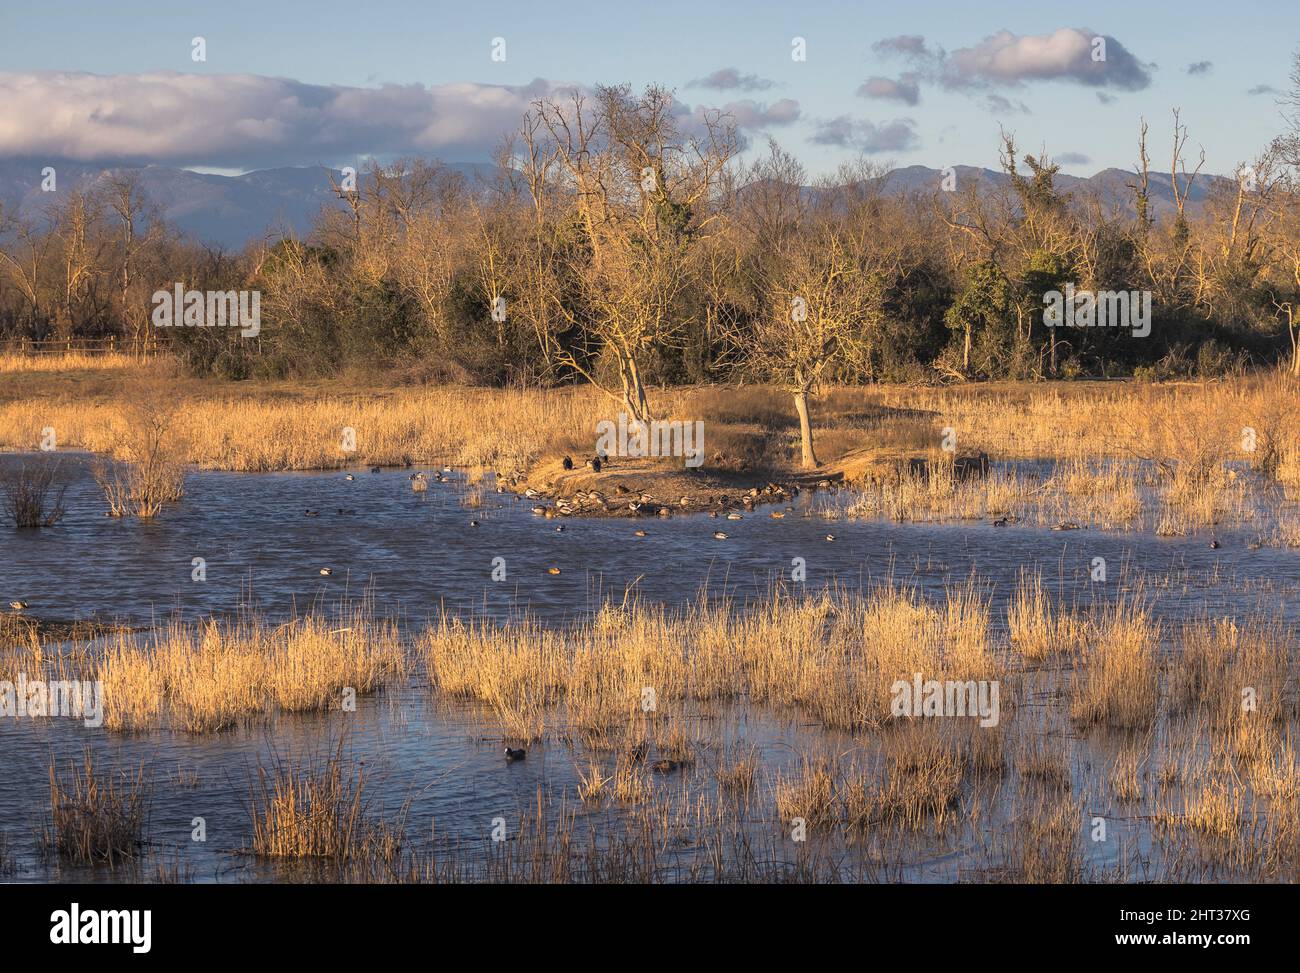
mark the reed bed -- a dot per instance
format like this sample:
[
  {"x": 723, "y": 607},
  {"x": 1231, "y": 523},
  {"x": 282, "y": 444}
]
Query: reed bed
[
  {"x": 212, "y": 676},
  {"x": 96, "y": 817}
]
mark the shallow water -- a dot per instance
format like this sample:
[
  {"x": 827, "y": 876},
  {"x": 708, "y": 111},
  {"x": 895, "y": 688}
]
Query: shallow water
[{"x": 416, "y": 555}]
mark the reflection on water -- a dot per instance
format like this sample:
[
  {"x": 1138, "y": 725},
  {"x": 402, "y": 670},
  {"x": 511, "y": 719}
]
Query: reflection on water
[{"x": 417, "y": 555}]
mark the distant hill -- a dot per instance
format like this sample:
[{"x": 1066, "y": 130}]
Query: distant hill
[
  {"x": 229, "y": 211},
  {"x": 1111, "y": 186}
]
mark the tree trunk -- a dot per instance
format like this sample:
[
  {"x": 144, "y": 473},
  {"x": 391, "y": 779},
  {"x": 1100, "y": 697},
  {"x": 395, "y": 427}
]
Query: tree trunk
[
  {"x": 805, "y": 430},
  {"x": 635, "y": 402}
]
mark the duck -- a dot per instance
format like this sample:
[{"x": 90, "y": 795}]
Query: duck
[
  {"x": 1214, "y": 545},
  {"x": 552, "y": 570},
  {"x": 345, "y": 513},
  {"x": 326, "y": 571},
  {"x": 567, "y": 462},
  {"x": 720, "y": 535},
  {"x": 473, "y": 523},
  {"x": 559, "y": 529},
  {"x": 665, "y": 512},
  {"x": 539, "y": 510},
  {"x": 830, "y": 537},
  {"x": 529, "y": 492},
  {"x": 375, "y": 469},
  {"x": 349, "y": 478},
  {"x": 311, "y": 513},
  {"x": 664, "y": 766},
  {"x": 638, "y": 533},
  {"x": 515, "y": 753},
  {"x": 777, "y": 514},
  {"x": 18, "y": 605},
  {"x": 1000, "y": 522},
  {"x": 1066, "y": 525},
  {"x": 735, "y": 516}
]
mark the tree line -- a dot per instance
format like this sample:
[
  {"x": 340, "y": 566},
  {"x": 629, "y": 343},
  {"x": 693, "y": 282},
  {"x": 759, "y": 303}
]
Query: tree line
[{"x": 623, "y": 245}]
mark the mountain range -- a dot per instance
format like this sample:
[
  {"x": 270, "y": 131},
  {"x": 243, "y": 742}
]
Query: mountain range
[{"x": 230, "y": 210}]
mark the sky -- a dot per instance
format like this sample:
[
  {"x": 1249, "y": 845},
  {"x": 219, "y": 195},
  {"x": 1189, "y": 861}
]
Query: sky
[{"x": 930, "y": 83}]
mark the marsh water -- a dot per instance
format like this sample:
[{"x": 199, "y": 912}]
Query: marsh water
[{"x": 416, "y": 555}]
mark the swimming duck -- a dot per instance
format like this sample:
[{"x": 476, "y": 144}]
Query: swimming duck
[
  {"x": 1000, "y": 522},
  {"x": 777, "y": 514},
  {"x": 552, "y": 570},
  {"x": 513, "y": 754},
  {"x": 311, "y": 513},
  {"x": 559, "y": 529},
  {"x": 326, "y": 571},
  {"x": 349, "y": 477},
  {"x": 473, "y": 523},
  {"x": 830, "y": 537},
  {"x": 1214, "y": 545},
  {"x": 374, "y": 469},
  {"x": 735, "y": 516},
  {"x": 539, "y": 510},
  {"x": 639, "y": 533},
  {"x": 18, "y": 605},
  {"x": 720, "y": 535}
]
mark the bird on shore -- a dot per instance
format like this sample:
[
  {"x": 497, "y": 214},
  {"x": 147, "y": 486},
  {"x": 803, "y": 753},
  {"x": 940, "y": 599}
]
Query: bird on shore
[
  {"x": 720, "y": 535},
  {"x": 530, "y": 493},
  {"x": 18, "y": 605},
  {"x": 513, "y": 754},
  {"x": 567, "y": 462},
  {"x": 593, "y": 464},
  {"x": 326, "y": 571}
]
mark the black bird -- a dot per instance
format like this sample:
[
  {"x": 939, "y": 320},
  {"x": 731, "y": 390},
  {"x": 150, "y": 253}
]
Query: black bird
[
  {"x": 1000, "y": 522},
  {"x": 374, "y": 469},
  {"x": 568, "y": 462},
  {"x": 512, "y": 754},
  {"x": 594, "y": 463}
]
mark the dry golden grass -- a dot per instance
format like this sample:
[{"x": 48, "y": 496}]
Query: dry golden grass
[
  {"x": 96, "y": 817},
  {"x": 212, "y": 676},
  {"x": 1119, "y": 683},
  {"x": 316, "y": 809},
  {"x": 12, "y": 362}
]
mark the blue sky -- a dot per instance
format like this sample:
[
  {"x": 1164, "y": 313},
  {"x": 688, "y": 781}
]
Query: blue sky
[{"x": 822, "y": 118}]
